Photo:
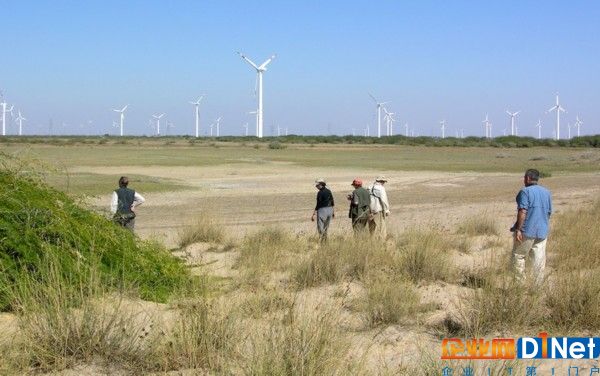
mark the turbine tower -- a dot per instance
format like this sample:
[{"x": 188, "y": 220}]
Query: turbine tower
[
  {"x": 488, "y": 127},
  {"x": 157, "y": 118},
  {"x": 19, "y": 120},
  {"x": 218, "y": 124},
  {"x": 539, "y": 127},
  {"x": 512, "y": 115},
  {"x": 577, "y": 124},
  {"x": 389, "y": 121},
  {"x": 260, "y": 69},
  {"x": 443, "y": 128},
  {"x": 122, "y": 117},
  {"x": 197, "y": 114},
  {"x": 379, "y": 106},
  {"x": 558, "y": 109},
  {"x": 4, "y": 111},
  {"x": 406, "y": 129},
  {"x": 246, "y": 129}
]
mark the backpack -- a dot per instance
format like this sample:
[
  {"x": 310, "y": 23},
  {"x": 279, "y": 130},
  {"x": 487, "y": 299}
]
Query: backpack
[{"x": 375, "y": 204}]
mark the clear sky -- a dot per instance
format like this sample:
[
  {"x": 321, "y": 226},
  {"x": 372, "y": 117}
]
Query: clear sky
[{"x": 73, "y": 61}]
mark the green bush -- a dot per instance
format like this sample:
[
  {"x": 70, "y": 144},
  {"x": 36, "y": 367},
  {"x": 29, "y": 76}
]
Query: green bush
[{"x": 38, "y": 222}]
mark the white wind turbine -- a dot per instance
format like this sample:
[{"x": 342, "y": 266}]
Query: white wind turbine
[
  {"x": 122, "y": 117},
  {"x": 389, "y": 121},
  {"x": 217, "y": 125},
  {"x": 577, "y": 124},
  {"x": 558, "y": 109},
  {"x": 569, "y": 130},
  {"x": 4, "y": 111},
  {"x": 379, "y": 106},
  {"x": 260, "y": 69},
  {"x": 488, "y": 127},
  {"x": 157, "y": 118},
  {"x": 513, "y": 115},
  {"x": 246, "y": 129},
  {"x": 197, "y": 114},
  {"x": 539, "y": 127},
  {"x": 19, "y": 120},
  {"x": 443, "y": 128}
]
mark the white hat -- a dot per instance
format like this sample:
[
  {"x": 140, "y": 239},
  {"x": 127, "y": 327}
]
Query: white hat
[
  {"x": 320, "y": 181},
  {"x": 381, "y": 178}
]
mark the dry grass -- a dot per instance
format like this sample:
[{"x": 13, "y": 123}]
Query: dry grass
[
  {"x": 424, "y": 257},
  {"x": 477, "y": 225},
  {"x": 306, "y": 343},
  {"x": 389, "y": 300},
  {"x": 204, "y": 229}
]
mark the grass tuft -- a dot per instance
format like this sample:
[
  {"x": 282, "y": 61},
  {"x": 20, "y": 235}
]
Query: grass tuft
[{"x": 204, "y": 230}]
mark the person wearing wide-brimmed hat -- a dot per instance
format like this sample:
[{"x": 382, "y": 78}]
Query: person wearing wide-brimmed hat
[
  {"x": 324, "y": 210},
  {"x": 380, "y": 208},
  {"x": 359, "y": 207}
]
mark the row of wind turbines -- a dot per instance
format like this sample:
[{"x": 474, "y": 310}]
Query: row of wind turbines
[
  {"x": 389, "y": 120},
  {"x": 19, "y": 119},
  {"x": 260, "y": 69}
]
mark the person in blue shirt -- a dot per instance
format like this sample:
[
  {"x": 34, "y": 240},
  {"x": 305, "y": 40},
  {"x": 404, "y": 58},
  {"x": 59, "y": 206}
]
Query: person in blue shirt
[{"x": 534, "y": 207}]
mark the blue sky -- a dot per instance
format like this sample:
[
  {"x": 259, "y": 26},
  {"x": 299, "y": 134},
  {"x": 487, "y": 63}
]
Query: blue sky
[{"x": 73, "y": 61}]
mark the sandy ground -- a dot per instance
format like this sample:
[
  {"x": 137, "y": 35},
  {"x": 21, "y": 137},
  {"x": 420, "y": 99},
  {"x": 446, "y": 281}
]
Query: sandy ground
[{"x": 243, "y": 197}]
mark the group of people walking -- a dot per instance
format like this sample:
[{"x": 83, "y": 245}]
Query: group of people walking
[{"x": 369, "y": 208}]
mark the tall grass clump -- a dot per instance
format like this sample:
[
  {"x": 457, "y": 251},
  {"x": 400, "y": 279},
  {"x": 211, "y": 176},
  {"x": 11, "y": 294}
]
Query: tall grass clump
[
  {"x": 204, "y": 336},
  {"x": 303, "y": 343},
  {"x": 423, "y": 256},
  {"x": 53, "y": 335},
  {"x": 501, "y": 304},
  {"x": 268, "y": 250},
  {"x": 204, "y": 229},
  {"x": 390, "y": 299},
  {"x": 37, "y": 222},
  {"x": 341, "y": 258},
  {"x": 481, "y": 224}
]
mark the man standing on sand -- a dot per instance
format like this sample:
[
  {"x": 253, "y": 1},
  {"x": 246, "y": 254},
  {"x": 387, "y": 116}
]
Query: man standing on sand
[
  {"x": 534, "y": 207},
  {"x": 359, "y": 207},
  {"x": 380, "y": 209},
  {"x": 324, "y": 210},
  {"x": 123, "y": 204}
]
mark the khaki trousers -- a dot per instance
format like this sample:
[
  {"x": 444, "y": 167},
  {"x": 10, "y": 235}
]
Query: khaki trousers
[
  {"x": 537, "y": 248},
  {"x": 378, "y": 225}
]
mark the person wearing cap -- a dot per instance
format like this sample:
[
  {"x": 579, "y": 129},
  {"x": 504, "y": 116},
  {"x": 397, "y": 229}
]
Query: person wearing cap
[
  {"x": 359, "y": 207},
  {"x": 380, "y": 208},
  {"x": 324, "y": 210}
]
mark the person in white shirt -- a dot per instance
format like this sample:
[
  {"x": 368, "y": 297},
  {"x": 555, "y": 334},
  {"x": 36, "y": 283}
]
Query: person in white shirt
[
  {"x": 123, "y": 204},
  {"x": 380, "y": 208}
]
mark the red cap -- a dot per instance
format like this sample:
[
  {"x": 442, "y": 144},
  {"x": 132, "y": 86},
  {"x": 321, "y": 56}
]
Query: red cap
[{"x": 357, "y": 182}]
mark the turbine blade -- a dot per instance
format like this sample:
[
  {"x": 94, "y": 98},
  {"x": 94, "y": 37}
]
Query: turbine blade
[
  {"x": 248, "y": 60},
  {"x": 263, "y": 66},
  {"x": 372, "y": 97}
]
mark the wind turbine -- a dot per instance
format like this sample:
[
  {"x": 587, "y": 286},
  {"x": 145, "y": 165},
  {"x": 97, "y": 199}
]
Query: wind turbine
[
  {"x": 578, "y": 124},
  {"x": 389, "y": 121},
  {"x": 197, "y": 114},
  {"x": 260, "y": 69},
  {"x": 569, "y": 128},
  {"x": 539, "y": 127},
  {"x": 558, "y": 109},
  {"x": 217, "y": 123},
  {"x": 19, "y": 120},
  {"x": 488, "y": 128},
  {"x": 512, "y": 115},
  {"x": 157, "y": 118},
  {"x": 246, "y": 129},
  {"x": 122, "y": 116},
  {"x": 406, "y": 129},
  {"x": 379, "y": 106},
  {"x": 443, "y": 128},
  {"x": 4, "y": 111}
]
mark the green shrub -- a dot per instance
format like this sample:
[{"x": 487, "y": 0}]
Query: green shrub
[{"x": 38, "y": 222}]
